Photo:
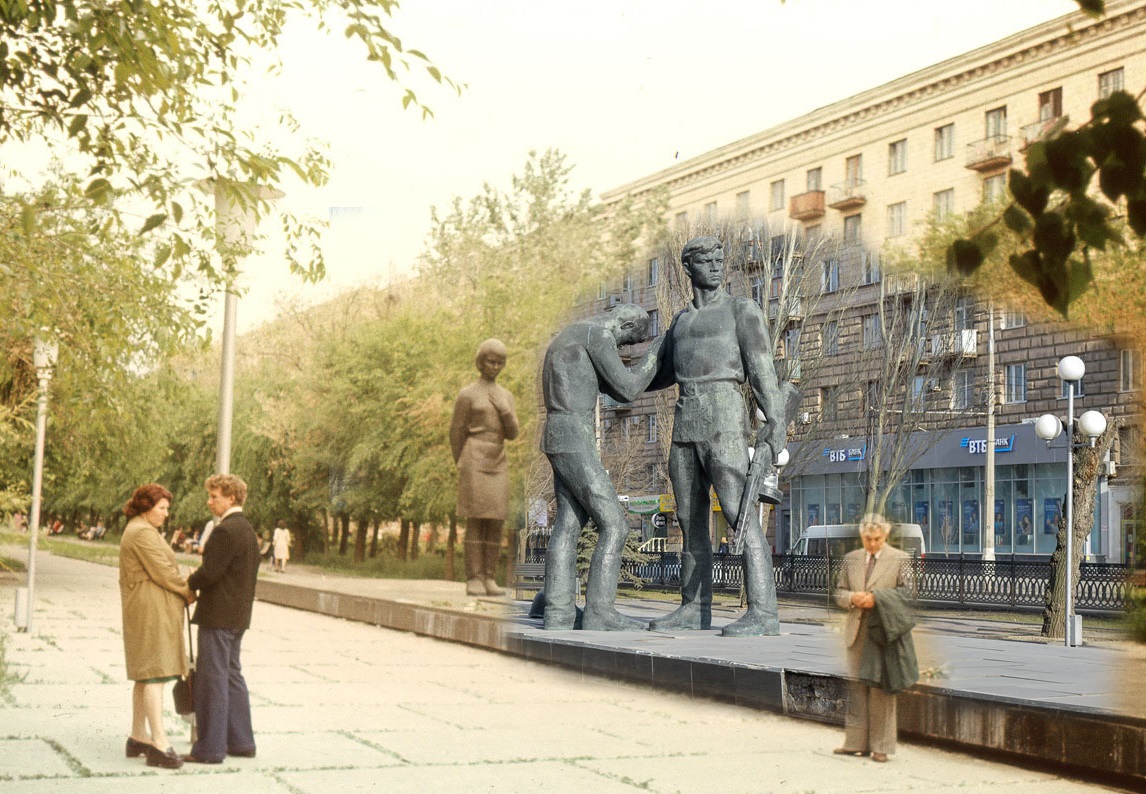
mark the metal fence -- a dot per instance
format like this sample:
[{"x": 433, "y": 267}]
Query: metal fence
[{"x": 1007, "y": 581}]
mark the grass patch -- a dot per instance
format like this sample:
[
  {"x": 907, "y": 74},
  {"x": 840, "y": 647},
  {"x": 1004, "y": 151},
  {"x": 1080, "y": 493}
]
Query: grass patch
[{"x": 427, "y": 566}]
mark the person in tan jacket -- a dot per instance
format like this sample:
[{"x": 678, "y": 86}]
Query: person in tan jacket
[
  {"x": 153, "y": 593},
  {"x": 870, "y": 721}
]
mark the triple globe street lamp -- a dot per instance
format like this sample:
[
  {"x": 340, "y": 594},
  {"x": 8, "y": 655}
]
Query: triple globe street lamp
[{"x": 1048, "y": 427}]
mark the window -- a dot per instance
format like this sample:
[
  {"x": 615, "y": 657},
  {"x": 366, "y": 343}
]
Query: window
[
  {"x": 742, "y": 206},
  {"x": 872, "y": 332},
  {"x": 897, "y": 157},
  {"x": 654, "y": 323},
  {"x": 758, "y": 291},
  {"x": 918, "y": 385},
  {"x": 1011, "y": 319},
  {"x": 651, "y": 435},
  {"x": 995, "y": 188},
  {"x": 1050, "y": 104},
  {"x": 627, "y": 283},
  {"x": 897, "y": 219},
  {"x": 830, "y": 338},
  {"x": 871, "y": 397},
  {"x": 812, "y": 235},
  {"x": 961, "y": 390},
  {"x": 710, "y": 212},
  {"x": 944, "y": 202},
  {"x": 853, "y": 170},
  {"x": 1015, "y": 384},
  {"x": 944, "y": 142},
  {"x": 792, "y": 342},
  {"x": 853, "y": 228},
  {"x": 996, "y": 123},
  {"x": 682, "y": 220},
  {"x": 779, "y": 252},
  {"x": 1079, "y": 389},
  {"x": 1129, "y": 370},
  {"x": 602, "y": 290},
  {"x": 1109, "y": 82},
  {"x": 829, "y": 275},
  {"x": 654, "y": 271},
  {"x": 777, "y": 191},
  {"x": 815, "y": 179},
  {"x": 961, "y": 315},
  {"x": 829, "y": 399},
  {"x": 870, "y": 261}
]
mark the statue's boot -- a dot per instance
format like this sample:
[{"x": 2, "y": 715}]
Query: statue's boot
[
  {"x": 474, "y": 583},
  {"x": 692, "y": 616},
  {"x": 756, "y": 622},
  {"x": 763, "y": 616},
  {"x": 491, "y": 550},
  {"x": 609, "y": 620}
]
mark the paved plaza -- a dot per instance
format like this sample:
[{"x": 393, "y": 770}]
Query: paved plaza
[{"x": 342, "y": 706}]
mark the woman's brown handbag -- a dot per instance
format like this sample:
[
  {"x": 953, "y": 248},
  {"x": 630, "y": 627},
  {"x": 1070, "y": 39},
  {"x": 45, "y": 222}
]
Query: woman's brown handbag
[{"x": 183, "y": 691}]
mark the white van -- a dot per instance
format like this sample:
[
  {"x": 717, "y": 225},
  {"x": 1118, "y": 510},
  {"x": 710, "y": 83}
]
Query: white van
[{"x": 842, "y": 538}]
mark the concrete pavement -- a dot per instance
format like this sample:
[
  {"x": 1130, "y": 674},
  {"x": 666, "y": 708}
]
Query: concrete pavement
[{"x": 344, "y": 706}]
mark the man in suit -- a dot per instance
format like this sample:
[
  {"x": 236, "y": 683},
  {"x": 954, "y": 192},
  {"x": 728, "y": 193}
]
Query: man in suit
[
  {"x": 225, "y": 584},
  {"x": 870, "y": 722}
]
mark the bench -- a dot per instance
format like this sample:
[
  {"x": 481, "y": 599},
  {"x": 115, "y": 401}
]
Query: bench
[{"x": 528, "y": 578}]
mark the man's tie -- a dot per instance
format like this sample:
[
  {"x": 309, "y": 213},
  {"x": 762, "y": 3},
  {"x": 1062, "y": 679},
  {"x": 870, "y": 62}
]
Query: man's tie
[{"x": 870, "y": 565}]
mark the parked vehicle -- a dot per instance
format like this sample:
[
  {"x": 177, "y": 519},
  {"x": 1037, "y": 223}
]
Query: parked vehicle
[{"x": 839, "y": 539}]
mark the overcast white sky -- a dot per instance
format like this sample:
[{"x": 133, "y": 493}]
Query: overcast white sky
[{"x": 607, "y": 82}]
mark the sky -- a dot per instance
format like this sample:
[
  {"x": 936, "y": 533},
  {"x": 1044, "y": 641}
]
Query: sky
[{"x": 624, "y": 88}]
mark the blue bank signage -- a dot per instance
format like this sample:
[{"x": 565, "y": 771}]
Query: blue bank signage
[
  {"x": 978, "y": 446},
  {"x": 845, "y": 454}
]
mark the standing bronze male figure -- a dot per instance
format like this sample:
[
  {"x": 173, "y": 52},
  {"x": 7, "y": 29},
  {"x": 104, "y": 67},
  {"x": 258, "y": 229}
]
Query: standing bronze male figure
[{"x": 713, "y": 346}]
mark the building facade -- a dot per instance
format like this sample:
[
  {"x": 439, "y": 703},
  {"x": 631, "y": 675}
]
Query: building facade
[{"x": 836, "y": 187}]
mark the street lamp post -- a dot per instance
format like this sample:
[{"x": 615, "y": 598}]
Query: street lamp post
[
  {"x": 44, "y": 352},
  {"x": 1048, "y": 427},
  {"x": 235, "y": 221}
]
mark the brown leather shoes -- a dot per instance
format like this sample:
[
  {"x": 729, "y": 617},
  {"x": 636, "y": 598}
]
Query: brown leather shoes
[{"x": 880, "y": 757}]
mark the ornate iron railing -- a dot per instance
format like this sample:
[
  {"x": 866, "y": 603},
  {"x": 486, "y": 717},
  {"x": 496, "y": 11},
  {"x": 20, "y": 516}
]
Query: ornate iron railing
[{"x": 1007, "y": 581}]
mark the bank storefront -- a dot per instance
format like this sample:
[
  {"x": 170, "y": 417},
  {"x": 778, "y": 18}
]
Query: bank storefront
[{"x": 944, "y": 492}]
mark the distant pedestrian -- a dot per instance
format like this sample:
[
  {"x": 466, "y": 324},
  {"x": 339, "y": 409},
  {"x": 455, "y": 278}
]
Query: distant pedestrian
[
  {"x": 153, "y": 593},
  {"x": 282, "y": 542},
  {"x": 874, "y": 587},
  {"x": 225, "y": 583}
]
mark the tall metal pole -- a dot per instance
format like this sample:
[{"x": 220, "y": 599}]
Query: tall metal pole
[
  {"x": 226, "y": 385},
  {"x": 1068, "y": 628},
  {"x": 988, "y": 526},
  {"x": 44, "y": 358}
]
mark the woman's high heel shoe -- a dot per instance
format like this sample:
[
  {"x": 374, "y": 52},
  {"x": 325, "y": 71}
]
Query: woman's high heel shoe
[
  {"x": 168, "y": 760},
  {"x": 136, "y": 748}
]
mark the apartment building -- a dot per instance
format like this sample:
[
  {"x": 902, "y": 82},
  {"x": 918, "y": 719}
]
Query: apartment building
[{"x": 868, "y": 172}]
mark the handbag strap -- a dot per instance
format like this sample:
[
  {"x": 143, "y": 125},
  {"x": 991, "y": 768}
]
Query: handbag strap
[{"x": 190, "y": 642}]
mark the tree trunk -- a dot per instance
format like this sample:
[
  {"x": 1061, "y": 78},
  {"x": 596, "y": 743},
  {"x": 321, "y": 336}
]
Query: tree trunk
[
  {"x": 325, "y": 517},
  {"x": 451, "y": 543},
  {"x": 403, "y": 538},
  {"x": 415, "y": 537},
  {"x": 377, "y": 523},
  {"x": 360, "y": 539},
  {"x": 432, "y": 539},
  {"x": 1088, "y": 462},
  {"x": 344, "y": 519}
]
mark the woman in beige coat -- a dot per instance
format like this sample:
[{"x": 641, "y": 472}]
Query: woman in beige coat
[{"x": 153, "y": 593}]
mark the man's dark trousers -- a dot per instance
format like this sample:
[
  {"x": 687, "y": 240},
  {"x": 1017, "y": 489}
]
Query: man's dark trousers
[{"x": 225, "y": 725}]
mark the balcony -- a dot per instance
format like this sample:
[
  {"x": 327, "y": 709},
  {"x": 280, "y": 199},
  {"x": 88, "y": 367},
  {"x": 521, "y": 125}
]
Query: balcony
[
  {"x": 901, "y": 284},
  {"x": 959, "y": 344},
  {"x": 609, "y": 404},
  {"x": 792, "y": 370},
  {"x": 793, "y": 310},
  {"x": 807, "y": 206},
  {"x": 847, "y": 195},
  {"x": 989, "y": 154},
  {"x": 1042, "y": 130}
]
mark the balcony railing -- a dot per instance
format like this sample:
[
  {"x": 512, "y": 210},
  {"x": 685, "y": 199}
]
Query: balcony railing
[
  {"x": 847, "y": 195},
  {"x": 963, "y": 343},
  {"x": 989, "y": 154},
  {"x": 807, "y": 206}
]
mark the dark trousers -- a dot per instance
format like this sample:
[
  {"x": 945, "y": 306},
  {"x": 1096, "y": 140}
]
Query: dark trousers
[{"x": 222, "y": 702}]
